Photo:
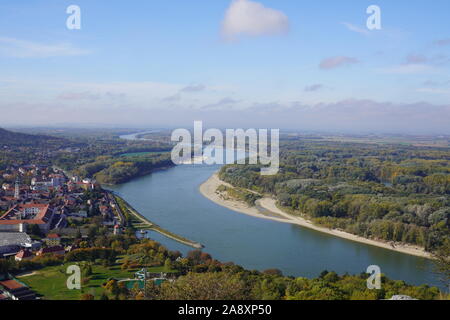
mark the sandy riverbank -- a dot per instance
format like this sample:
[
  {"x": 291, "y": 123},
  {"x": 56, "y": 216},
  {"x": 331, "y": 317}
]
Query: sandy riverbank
[{"x": 208, "y": 189}]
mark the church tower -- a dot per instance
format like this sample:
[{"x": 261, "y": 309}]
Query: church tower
[{"x": 17, "y": 189}]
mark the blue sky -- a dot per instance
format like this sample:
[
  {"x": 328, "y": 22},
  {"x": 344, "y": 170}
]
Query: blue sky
[{"x": 168, "y": 62}]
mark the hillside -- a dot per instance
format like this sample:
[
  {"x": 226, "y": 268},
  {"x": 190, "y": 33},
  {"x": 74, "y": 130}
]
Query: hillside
[{"x": 10, "y": 138}]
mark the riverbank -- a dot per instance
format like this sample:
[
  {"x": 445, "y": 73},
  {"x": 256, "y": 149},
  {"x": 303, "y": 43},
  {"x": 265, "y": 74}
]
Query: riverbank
[
  {"x": 146, "y": 224},
  {"x": 272, "y": 212}
]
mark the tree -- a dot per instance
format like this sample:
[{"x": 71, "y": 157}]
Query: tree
[
  {"x": 273, "y": 272},
  {"x": 78, "y": 234},
  {"x": 35, "y": 230},
  {"x": 104, "y": 296},
  {"x": 442, "y": 262},
  {"x": 205, "y": 286},
  {"x": 5, "y": 265},
  {"x": 87, "y": 296},
  {"x": 92, "y": 232},
  {"x": 87, "y": 270},
  {"x": 112, "y": 287},
  {"x": 167, "y": 265}
]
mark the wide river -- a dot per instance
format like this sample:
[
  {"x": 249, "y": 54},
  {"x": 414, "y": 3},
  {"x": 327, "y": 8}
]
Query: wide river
[{"x": 171, "y": 198}]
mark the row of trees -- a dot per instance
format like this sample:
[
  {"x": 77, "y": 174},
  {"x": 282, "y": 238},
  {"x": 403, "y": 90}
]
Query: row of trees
[{"x": 246, "y": 285}]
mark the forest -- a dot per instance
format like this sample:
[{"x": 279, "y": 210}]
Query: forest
[
  {"x": 111, "y": 170},
  {"x": 94, "y": 154},
  {"x": 396, "y": 193}
]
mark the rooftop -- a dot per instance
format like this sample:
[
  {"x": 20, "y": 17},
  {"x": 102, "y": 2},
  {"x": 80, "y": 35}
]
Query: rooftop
[
  {"x": 14, "y": 238},
  {"x": 53, "y": 236},
  {"x": 11, "y": 284},
  {"x": 32, "y": 213},
  {"x": 24, "y": 254},
  {"x": 52, "y": 249}
]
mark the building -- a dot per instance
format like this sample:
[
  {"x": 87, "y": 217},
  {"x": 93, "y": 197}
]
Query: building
[
  {"x": 20, "y": 216},
  {"x": 17, "y": 189},
  {"x": 23, "y": 255},
  {"x": 53, "y": 240},
  {"x": 70, "y": 201},
  {"x": 109, "y": 223},
  {"x": 58, "y": 250},
  {"x": 4, "y": 205},
  {"x": 57, "y": 179},
  {"x": 117, "y": 230},
  {"x": 39, "y": 183},
  {"x": 14, "y": 290},
  {"x": 12, "y": 242},
  {"x": 79, "y": 214}
]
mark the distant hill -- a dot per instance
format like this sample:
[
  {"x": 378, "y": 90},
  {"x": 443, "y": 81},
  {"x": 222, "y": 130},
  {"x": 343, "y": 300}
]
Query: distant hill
[{"x": 10, "y": 138}]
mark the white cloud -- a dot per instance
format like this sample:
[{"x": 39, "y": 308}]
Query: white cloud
[
  {"x": 193, "y": 88},
  {"x": 416, "y": 59},
  {"x": 17, "y": 48},
  {"x": 419, "y": 64},
  {"x": 245, "y": 17},
  {"x": 79, "y": 96},
  {"x": 314, "y": 87},
  {"x": 336, "y": 62},
  {"x": 172, "y": 98},
  {"x": 356, "y": 116},
  {"x": 222, "y": 103},
  {"x": 410, "y": 69},
  {"x": 442, "y": 42},
  {"x": 434, "y": 90},
  {"x": 356, "y": 29}
]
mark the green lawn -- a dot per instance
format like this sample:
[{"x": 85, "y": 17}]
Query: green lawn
[{"x": 50, "y": 282}]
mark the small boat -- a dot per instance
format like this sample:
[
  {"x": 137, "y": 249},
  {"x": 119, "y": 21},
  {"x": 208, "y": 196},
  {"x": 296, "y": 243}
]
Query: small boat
[{"x": 143, "y": 232}]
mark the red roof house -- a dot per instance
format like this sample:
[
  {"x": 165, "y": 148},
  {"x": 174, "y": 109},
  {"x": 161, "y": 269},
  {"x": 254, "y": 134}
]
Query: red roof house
[{"x": 23, "y": 255}]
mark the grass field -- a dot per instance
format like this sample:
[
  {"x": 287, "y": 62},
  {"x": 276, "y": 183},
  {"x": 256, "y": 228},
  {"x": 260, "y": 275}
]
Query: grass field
[{"x": 50, "y": 282}]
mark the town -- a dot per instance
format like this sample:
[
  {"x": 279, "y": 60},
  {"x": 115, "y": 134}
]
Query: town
[
  {"x": 43, "y": 211},
  {"x": 55, "y": 214}
]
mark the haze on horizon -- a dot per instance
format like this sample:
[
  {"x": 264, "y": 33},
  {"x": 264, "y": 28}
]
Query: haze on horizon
[{"x": 230, "y": 63}]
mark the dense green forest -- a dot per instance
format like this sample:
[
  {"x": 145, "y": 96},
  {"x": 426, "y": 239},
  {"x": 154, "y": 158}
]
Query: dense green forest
[
  {"x": 246, "y": 285},
  {"x": 389, "y": 192},
  {"x": 111, "y": 170}
]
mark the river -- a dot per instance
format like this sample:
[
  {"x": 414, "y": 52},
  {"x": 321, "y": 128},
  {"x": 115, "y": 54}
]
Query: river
[{"x": 171, "y": 198}]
